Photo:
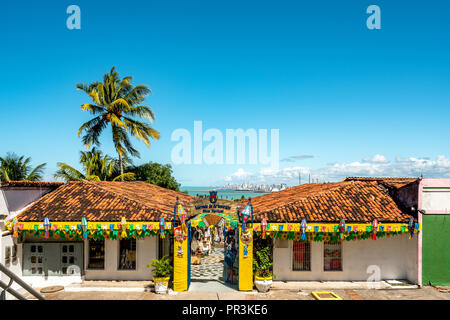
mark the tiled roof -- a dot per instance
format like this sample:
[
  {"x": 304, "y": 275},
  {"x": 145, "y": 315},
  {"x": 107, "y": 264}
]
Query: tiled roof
[
  {"x": 106, "y": 201},
  {"x": 30, "y": 184},
  {"x": 354, "y": 201},
  {"x": 389, "y": 182}
]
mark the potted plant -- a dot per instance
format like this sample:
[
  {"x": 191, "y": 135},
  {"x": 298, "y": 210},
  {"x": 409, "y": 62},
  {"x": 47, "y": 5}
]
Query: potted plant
[
  {"x": 262, "y": 266},
  {"x": 161, "y": 273}
]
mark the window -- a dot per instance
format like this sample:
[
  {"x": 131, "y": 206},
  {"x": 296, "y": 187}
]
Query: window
[
  {"x": 96, "y": 255},
  {"x": 127, "y": 254},
  {"x": 332, "y": 256},
  {"x": 301, "y": 256}
]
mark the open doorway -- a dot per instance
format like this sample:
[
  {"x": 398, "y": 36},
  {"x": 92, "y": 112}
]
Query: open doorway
[{"x": 214, "y": 258}]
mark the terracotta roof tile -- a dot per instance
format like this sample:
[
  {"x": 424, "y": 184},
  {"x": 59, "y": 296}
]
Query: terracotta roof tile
[
  {"x": 106, "y": 201},
  {"x": 354, "y": 201}
]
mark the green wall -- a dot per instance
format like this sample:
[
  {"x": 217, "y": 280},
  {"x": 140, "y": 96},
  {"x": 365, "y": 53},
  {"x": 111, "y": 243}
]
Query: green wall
[{"x": 436, "y": 249}]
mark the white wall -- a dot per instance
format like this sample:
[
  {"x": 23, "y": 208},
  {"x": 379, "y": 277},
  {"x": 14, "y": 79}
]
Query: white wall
[
  {"x": 436, "y": 200},
  {"x": 396, "y": 257},
  {"x": 16, "y": 199},
  {"x": 146, "y": 251}
]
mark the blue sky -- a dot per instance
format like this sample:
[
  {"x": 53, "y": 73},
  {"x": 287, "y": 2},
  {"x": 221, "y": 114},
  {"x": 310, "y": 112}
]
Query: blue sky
[{"x": 359, "y": 101}]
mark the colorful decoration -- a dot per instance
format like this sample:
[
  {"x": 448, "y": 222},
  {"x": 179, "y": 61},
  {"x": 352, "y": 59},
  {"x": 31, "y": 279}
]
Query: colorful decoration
[
  {"x": 374, "y": 229},
  {"x": 341, "y": 229},
  {"x": 181, "y": 215},
  {"x": 162, "y": 225},
  {"x": 180, "y": 252},
  {"x": 263, "y": 227},
  {"x": 303, "y": 226},
  {"x": 213, "y": 197},
  {"x": 179, "y": 234},
  {"x": 411, "y": 228},
  {"x": 14, "y": 227},
  {"x": 47, "y": 225},
  {"x": 247, "y": 214},
  {"x": 84, "y": 227},
  {"x": 123, "y": 226}
]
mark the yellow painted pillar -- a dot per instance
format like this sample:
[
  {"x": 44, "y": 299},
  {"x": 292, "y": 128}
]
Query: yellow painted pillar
[
  {"x": 180, "y": 265},
  {"x": 245, "y": 263}
]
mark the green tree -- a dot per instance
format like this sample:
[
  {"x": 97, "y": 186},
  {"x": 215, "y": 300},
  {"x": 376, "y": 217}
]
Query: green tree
[
  {"x": 156, "y": 173},
  {"x": 96, "y": 166},
  {"x": 15, "y": 168},
  {"x": 115, "y": 102}
]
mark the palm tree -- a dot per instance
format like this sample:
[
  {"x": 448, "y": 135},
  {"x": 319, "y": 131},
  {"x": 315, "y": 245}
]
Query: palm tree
[
  {"x": 96, "y": 166},
  {"x": 115, "y": 102},
  {"x": 15, "y": 168}
]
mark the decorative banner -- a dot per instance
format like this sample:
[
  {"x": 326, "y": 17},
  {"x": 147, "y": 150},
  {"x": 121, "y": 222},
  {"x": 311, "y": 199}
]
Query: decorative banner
[
  {"x": 303, "y": 226},
  {"x": 179, "y": 234},
  {"x": 374, "y": 229},
  {"x": 14, "y": 227},
  {"x": 162, "y": 224},
  {"x": 47, "y": 225},
  {"x": 341, "y": 229},
  {"x": 246, "y": 215},
  {"x": 181, "y": 214},
  {"x": 411, "y": 228},
  {"x": 123, "y": 226},
  {"x": 263, "y": 227},
  {"x": 84, "y": 227}
]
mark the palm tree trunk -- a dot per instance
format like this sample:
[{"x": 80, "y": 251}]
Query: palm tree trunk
[{"x": 121, "y": 166}]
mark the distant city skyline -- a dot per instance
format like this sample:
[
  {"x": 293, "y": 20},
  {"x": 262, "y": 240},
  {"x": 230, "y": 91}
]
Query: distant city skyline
[{"x": 347, "y": 100}]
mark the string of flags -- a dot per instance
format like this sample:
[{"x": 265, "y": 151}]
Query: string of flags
[
  {"x": 303, "y": 231},
  {"x": 91, "y": 230},
  {"x": 333, "y": 232}
]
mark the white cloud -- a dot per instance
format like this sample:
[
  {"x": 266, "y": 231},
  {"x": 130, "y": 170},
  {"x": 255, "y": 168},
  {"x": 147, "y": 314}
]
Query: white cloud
[
  {"x": 378, "y": 158},
  {"x": 379, "y": 166}
]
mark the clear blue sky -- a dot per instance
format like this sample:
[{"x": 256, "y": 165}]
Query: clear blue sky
[{"x": 336, "y": 90}]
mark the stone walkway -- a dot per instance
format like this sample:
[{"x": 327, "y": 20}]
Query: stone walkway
[{"x": 211, "y": 266}]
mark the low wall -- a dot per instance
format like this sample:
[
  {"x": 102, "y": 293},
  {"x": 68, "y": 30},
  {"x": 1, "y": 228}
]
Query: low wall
[{"x": 396, "y": 258}]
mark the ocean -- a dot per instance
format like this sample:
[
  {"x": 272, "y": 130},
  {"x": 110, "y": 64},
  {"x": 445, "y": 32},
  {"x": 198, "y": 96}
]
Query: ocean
[{"x": 227, "y": 194}]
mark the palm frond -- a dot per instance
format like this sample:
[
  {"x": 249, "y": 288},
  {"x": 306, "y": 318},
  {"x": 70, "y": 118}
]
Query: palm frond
[
  {"x": 128, "y": 176},
  {"x": 142, "y": 112},
  {"x": 37, "y": 173},
  {"x": 68, "y": 173}
]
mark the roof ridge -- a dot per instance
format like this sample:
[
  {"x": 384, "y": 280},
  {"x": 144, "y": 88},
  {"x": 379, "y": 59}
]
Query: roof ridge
[{"x": 340, "y": 184}]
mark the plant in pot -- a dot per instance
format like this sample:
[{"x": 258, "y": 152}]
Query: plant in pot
[
  {"x": 262, "y": 264},
  {"x": 162, "y": 269}
]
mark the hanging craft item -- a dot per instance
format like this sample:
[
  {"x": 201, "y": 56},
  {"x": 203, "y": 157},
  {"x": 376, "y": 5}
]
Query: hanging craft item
[
  {"x": 162, "y": 224},
  {"x": 15, "y": 227},
  {"x": 411, "y": 228},
  {"x": 263, "y": 227},
  {"x": 123, "y": 225},
  {"x": 246, "y": 237},
  {"x": 180, "y": 252},
  {"x": 303, "y": 226},
  {"x": 84, "y": 226},
  {"x": 342, "y": 228},
  {"x": 246, "y": 215},
  {"x": 181, "y": 215},
  {"x": 246, "y": 251},
  {"x": 374, "y": 229},
  {"x": 47, "y": 225},
  {"x": 179, "y": 234}
]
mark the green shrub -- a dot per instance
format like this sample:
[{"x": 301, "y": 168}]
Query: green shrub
[{"x": 161, "y": 267}]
